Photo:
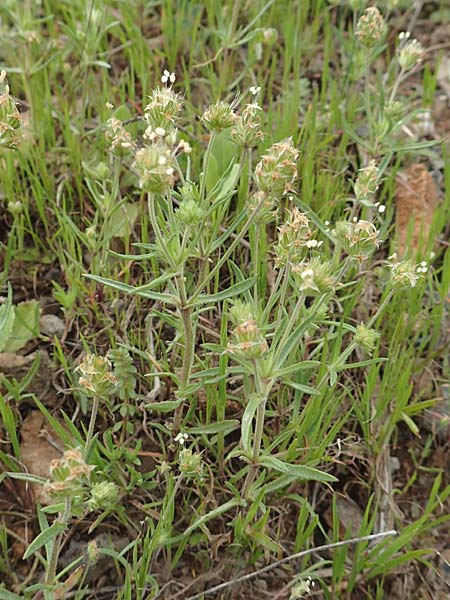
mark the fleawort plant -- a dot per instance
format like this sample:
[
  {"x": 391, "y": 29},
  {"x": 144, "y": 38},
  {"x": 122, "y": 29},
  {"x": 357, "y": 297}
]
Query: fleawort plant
[
  {"x": 270, "y": 335},
  {"x": 210, "y": 319}
]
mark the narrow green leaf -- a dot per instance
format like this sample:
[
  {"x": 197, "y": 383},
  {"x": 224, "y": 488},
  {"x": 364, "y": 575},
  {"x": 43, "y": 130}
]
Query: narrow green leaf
[
  {"x": 214, "y": 513},
  {"x": 303, "y": 388},
  {"x": 129, "y": 289},
  {"x": 304, "y": 364},
  {"x": 234, "y": 290},
  {"x": 265, "y": 541},
  {"x": 219, "y": 427},
  {"x": 43, "y": 538},
  {"x": 274, "y": 463},
  {"x": 163, "y": 407},
  {"x": 155, "y": 282},
  {"x": 26, "y": 477},
  {"x": 300, "y": 471},
  {"x": 5, "y": 595},
  {"x": 247, "y": 419}
]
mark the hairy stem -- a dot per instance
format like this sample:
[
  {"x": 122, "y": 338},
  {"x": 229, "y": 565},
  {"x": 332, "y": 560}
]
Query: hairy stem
[
  {"x": 188, "y": 354},
  {"x": 53, "y": 562}
]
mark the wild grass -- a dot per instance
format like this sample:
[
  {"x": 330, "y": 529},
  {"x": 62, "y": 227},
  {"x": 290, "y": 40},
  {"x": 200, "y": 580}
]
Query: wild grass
[{"x": 216, "y": 403}]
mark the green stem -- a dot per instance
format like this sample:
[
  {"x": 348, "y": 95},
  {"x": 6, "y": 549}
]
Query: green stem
[
  {"x": 255, "y": 261},
  {"x": 259, "y": 429},
  {"x": 53, "y": 562},
  {"x": 189, "y": 347},
  {"x": 92, "y": 420},
  {"x": 205, "y": 168}
]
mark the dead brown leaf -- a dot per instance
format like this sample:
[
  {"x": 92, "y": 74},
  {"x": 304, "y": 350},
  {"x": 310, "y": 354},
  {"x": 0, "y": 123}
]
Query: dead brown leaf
[
  {"x": 38, "y": 448},
  {"x": 416, "y": 200}
]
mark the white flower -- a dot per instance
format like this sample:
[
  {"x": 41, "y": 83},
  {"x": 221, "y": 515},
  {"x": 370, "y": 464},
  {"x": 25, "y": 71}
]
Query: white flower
[
  {"x": 381, "y": 208},
  {"x": 181, "y": 438},
  {"x": 162, "y": 160},
  {"x": 312, "y": 244},
  {"x": 254, "y": 90},
  {"x": 404, "y": 35},
  {"x": 306, "y": 273},
  {"x": 169, "y": 171},
  {"x": 184, "y": 147},
  {"x": 160, "y": 131},
  {"x": 109, "y": 105},
  {"x": 168, "y": 77}
]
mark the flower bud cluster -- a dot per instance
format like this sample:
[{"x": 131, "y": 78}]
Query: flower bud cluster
[
  {"x": 68, "y": 475},
  {"x": 163, "y": 110},
  {"x": 96, "y": 376},
  {"x": 104, "y": 495},
  {"x": 410, "y": 54},
  {"x": 154, "y": 164},
  {"x": 276, "y": 172},
  {"x": 265, "y": 205},
  {"x": 313, "y": 276},
  {"x": 248, "y": 341},
  {"x": 371, "y": 27},
  {"x": 10, "y": 120},
  {"x": 190, "y": 463},
  {"x": 118, "y": 137},
  {"x": 405, "y": 273},
  {"x": 219, "y": 116},
  {"x": 293, "y": 237},
  {"x": 190, "y": 213},
  {"x": 155, "y": 167},
  {"x": 246, "y": 131},
  {"x": 358, "y": 238},
  {"x": 367, "y": 183},
  {"x": 366, "y": 338}
]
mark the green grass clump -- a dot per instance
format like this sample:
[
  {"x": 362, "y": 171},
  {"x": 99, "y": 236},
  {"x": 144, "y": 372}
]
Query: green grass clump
[{"x": 204, "y": 193}]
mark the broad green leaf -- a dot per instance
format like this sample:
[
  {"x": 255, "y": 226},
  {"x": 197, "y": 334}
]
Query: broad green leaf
[
  {"x": 219, "y": 427},
  {"x": 26, "y": 325},
  {"x": 123, "y": 219},
  {"x": 43, "y": 538},
  {"x": 6, "y": 320},
  {"x": 223, "y": 153},
  {"x": 234, "y": 290}
]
